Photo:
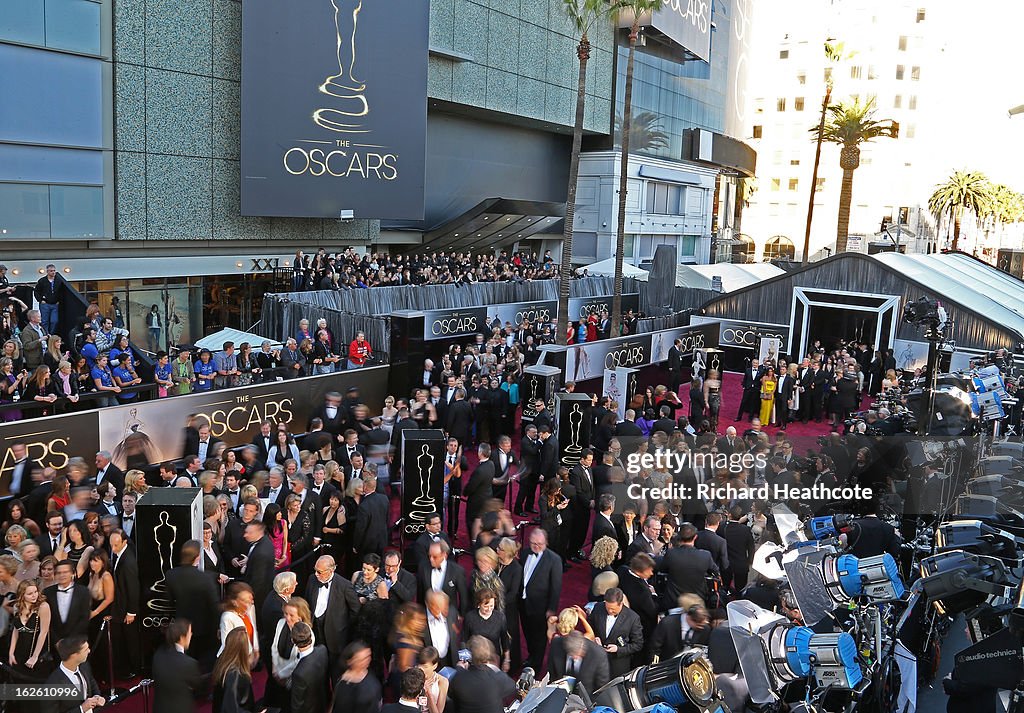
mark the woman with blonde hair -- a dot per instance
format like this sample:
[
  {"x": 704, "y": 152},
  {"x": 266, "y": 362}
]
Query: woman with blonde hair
[
  {"x": 567, "y": 621},
  {"x": 603, "y": 554},
  {"x": 407, "y": 638},
  {"x": 485, "y": 576},
  {"x": 283, "y": 654},
  {"x": 135, "y": 482},
  {"x": 30, "y": 631}
]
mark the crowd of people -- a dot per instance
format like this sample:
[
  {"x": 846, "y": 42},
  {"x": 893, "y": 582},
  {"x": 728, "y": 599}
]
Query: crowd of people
[
  {"x": 301, "y": 582},
  {"x": 351, "y": 270}
]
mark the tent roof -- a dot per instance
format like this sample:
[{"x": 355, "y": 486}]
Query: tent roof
[
  {"x": 215, "y": 342},
  {"x": 607, "y": 267},
  {"x": 976, "y": 285},
  {"x": 734, "y": 276}
]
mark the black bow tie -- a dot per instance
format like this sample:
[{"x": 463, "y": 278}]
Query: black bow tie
[
  {"x": 127, "y": 517},
  {"x": 326, "y": 584},
  {"x": 65, "y": 591},
  {"x": 232, "y": 492},
  {"x": 437, "y": 569}
]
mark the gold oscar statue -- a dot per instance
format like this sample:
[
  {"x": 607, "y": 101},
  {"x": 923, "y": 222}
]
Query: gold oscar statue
[{"x": 343, "y": 86}]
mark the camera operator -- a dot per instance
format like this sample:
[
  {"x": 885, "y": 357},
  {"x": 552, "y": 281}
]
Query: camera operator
[{"x": 869, "y": 536}]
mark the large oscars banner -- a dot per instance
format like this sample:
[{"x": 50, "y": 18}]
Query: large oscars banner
[
  {"x": 48, "y": 444},
  {"x": 334, "y": 108}
]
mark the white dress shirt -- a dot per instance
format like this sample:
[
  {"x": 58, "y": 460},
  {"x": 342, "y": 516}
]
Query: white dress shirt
[
  {"x": 64, "y": 601},
  {"x": 438, "y": 634},
  {"x": 609, "y": 625},
  {"x": 531, "y": 564},
  {"x": 321, "y": 599},
  {"x": 437, "y": 576}
]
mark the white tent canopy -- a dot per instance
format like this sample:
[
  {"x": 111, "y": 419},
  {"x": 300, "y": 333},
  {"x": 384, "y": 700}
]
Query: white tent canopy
[
  {"x": 215, "y": 342},
  {"x": 734, "y": 277}
]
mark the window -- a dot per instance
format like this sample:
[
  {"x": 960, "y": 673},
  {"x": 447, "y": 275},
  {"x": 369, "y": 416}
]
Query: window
[
  {"x": 584, "y": 246},
  {"x": 794, "y": 184},
  {"x": 743, "y": 251},
  {"x": 780, "y": 104},
  {"x": 899, "y": 71},
  {"x": 776, "y": 184},
  {"x": 798, "y": 104},
  {"x": 915, "y": 74},
  {"x": 819, "y": 185},
  {"x": 758, "y": 131},
  {"x": 665, "y": 198},
  {"x": 779, "y": 248},
  {"x": 913, "y": 103},
  {"x": 920, "y": 14},
  {"x": 783, "y": 54},
  {"x": 801, "y": 78},
  {"x": 794, "y": 162},
  {"x": 855, "y": 72},
  {"x": 72, "y": 25},
  {"x": 897, "y": 102},
  {"x": 903, "y": 43}
]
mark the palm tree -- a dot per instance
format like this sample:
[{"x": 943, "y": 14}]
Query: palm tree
[
  {"x": 645, "y": 132},
  {"x": 835, "y": 52},
  {"x": 963, "y": 191},
  {"x": 849, "y": 125},
  {"x": 583, "y": 14},
  {"x": 639, "y": 9}
]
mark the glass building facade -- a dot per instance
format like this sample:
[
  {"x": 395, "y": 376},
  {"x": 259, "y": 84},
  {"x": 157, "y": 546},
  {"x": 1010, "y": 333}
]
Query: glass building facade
[{"x": 55, "y": 120}]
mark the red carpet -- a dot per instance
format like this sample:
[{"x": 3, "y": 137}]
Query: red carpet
[{"x": 576, "y": 583}]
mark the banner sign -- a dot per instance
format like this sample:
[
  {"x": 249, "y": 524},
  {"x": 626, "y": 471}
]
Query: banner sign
[
  {"x": 583, "y": 307},
  {"x": 334, "y": 108},
  {"x": 543, "y": 311},
  {"x": 153, "y": 431},
  {"x": 744, "y": 335},
  {"x": 589, "y": 360},
  {"x": 688, "y": 23},
  {"x": 451, "y": 323},
  {"x": 50, "y": 442}
]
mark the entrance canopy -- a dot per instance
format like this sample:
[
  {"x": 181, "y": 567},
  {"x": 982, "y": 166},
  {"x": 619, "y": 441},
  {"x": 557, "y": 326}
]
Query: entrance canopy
[
  {"x": 734, "y": 276},
  {"x": 215, "y": 342},
  {"x": 493, "y": 223}
]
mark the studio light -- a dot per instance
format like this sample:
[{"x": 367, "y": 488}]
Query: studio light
[
  {"x": 823, "y": 580},
  {"x": 957, "y": 581},
  {"x": 685, "y": 681}
]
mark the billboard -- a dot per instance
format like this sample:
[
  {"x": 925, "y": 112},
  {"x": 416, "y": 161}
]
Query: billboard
[
  {"x": 744, "y": 335},
  {"x": 334, "y": 108},
  {"x": 51, "y": 443},
  {"x": 687, "y": 23}
]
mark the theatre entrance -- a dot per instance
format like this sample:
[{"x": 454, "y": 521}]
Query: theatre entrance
[{"x": 834, "y": 317}]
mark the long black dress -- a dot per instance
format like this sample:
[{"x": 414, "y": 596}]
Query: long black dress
[
  {"x": 494, "y": 628},
  {"x": 28, "y": 635},
  {"x": 511, "y": 575},
  {"x": 696, "y": 405}
]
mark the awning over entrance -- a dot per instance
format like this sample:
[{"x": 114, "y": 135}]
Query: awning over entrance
[{"x": 495, "y": 222}]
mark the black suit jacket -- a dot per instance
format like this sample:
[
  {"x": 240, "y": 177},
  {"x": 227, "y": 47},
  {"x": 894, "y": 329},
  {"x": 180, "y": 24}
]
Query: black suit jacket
[
  {"x": 195, "y": 598},
  {"x": 686, "y": 568},
  {"x": 114, "y": 475},
  {"x": 345, "y": 460},
  {"x": 583, "y": 481},
  {"x": 641, "y": 600},
  {"x": 454, "y": 585},
  {"x": 545, "y": 585},
  {"x": 192, "y": 443},
  {"x": 371, "y": 534},
  {"x": 454, "y": 637},
  {"x": 421, "y": 549},
  {"x": 593, "y": 672},
  {"x": 262, "y": 447},
  {"x": 126, "y": 585},
  {"x": 78, "y": 615},
  {"x": 459, "y": 419},
  {"x": 342, "y": 605},
  {"x": 402, "y": 591},
  {"x": 479, "y": 689},
  {"x": 529, "y": 453},
  {"x": 603, "y": 528},
  {"x": 739, "y": 542},
  {"x": 45, "y": 546},
  {"x": 675, "y": 358},
  {"x": 549, "y": 458},
  {"x": 334, "y": 426},
  {"x": 728, "y": 449},
  {"x": 57, "y": 678},
  {"x": 627, "y": 634},
  {"x": 716, "y": 545},
  {"x": 479, "y": 489},
  {"x": 668, "y": 637},
  {"x": 176, "y": 680},
  {"x": 309, "y": 682},
  {"x": 282, "y": 495},
  {"x": 259, "y": 570}
]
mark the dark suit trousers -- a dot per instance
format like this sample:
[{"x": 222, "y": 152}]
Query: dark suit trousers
[
  {"x": 580, "y": 528},
  {"x": 527, "y": 493},
  {"x": 454, "y": 505},
  {"x": 781, "y": 412},
  {"x": 535, "y": 631},
  {"x": 127, "y": 645}
]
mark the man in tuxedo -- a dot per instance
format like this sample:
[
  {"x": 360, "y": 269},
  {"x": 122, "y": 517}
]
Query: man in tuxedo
[
  {"x": 751, "y": 386},
  {"x": 503, "y": 459},
  {"x": 459, "y": 419},
  {"x": 176, "y": 676},
  {"x": 124, "y": 625},
  {"x": 264, "y": 441},
  {"x": 684, "y": 627},
  {"x": 275, "y": 491},
  {"x": 542, "y": 587},
  {"x": 128, "y": 516},
  {"x": 675, "y": 365},
  {"x": 69, "y": 604},
  {"x": 480, "y": 487},
  {"x": 334, "y": 604},
  {"x": 456, "y": 470},
  {"x": 409, "y": 692},
  {"x": 628, "y": 433},
  {"x": 442, "y": 574},
  {"x": 20, "y": 479},
  {"x": 234, "y": 545},
  {"x": 740, "y": 545},
  {"x": 582, "y": 479},
  {"x": 648, "y": 541},
  {"x": 529, "y": 474},
  {"x": 400, "y": 582},
  {"x": 349, "y": 448},
  {"x": 443, "y": 630},
  {"x": 372, "y": 532},
  {"x": 309, "y": 679},
  {"x": 635, "y": 583},
  {"x": 603, "y": 525},
  {"x": 320, "y": 487},
  {"x": 783, "y": 395},
  {"x": 730, "y": 443},
  {"x": 618, "y": 630},
  {"x": 49, "y": 540},
  {"x": 542, "y": 417},
  {"x": 813, "y": 385},
  {"x": 199, "y": 442},
  {"x": 73, "y": 670},
  {"x": 332, "y": 415},
  {"x": 431, "y": 534},
  {"x": 258, "y": 565},
  {"x": 548, "y": 453},
  {"x": 687, "y": 566},
  {"x": 481, "y": 688},
  {"x": 196, "y": 600},
  {"x": 576, "y": 656},
  {"x": 108, "y": 472},
  {"x": 709, "y": 539}
]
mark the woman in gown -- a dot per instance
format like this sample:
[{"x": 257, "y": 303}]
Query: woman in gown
[
  {"x": 277, "y": 530},
  {"x": 374, "y": 618},
  {"x": 768, "y": 386},
  {"x": 696, "y": 402},
  {"x": 712, "y": 398},
  {"x": 101, "y": 589},
  {"x": 28, "y": 653}
]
